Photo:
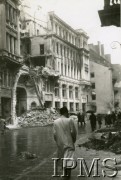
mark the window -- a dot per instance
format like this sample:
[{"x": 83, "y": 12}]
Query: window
[
  {"x": 93, "y": 85},
  {"x": 76, "y": 92},
  {"x": 41, "y": 49},
  {"x": 57, "y": 105},
  {"x": 59, "y": 31},
  {"x": 53, "y": 45},
  {"x": 57, "y": 49},
  {"x": 52, "y": 25},
  {"x": 62, "y": 68},
  {"x": 64, "y": 51},
  {"x": 86, "y": 68},
  {"x": 93, "y": 96},
  {"x": 68, "y": 70},
  {"x": 67, "y": 36},
  {"x": 70, "y": 92},
  {"x": 64, "y": 104},
  {"x": 37, "y": 32},
  {"x": 92, "y": 74},
  {"x": 87, "y": 99},
  {"x": 57, "y": 90},
  {"x": 33, "y": 105},
  {"x": 77, "y": 106},
  {"x": 61, "y": 50},
  {"x": 56, "y": 28},
  {"x": 71, "y": 106},
  {"x": 6, "y": 78},
  {"x": 64, "y": 91},
  {"x": 68, "y": 52}
]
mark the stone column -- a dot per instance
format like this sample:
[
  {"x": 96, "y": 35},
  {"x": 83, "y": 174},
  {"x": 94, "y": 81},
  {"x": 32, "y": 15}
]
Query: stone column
[
  {"x": 13, "y": 99},
  {"x": 53, "y": 100},
  {"x": 68, "y": 96},
  {"x": 70, "y": 68},
  {"x": 12, "y": 44},
  {"x": 18, "y": 35},
  {"x": 67, "y": 67},
  {"x": 73, "y": 71},
  {"x": 60, "y": 92},
  {"x": 76, "y": 77},
  {"x": 74, "y": 98},
  {"x": 63, "y": 67}
]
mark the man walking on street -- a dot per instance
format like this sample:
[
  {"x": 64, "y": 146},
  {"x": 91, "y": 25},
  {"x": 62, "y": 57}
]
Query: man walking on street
[
  {"x": 92, "y": 121},
  {"x": 65, "y": 137}
]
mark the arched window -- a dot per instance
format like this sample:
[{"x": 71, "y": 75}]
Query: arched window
[{"x": 33, "y": 105}]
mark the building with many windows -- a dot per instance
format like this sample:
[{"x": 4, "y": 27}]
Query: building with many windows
[
  {"x": 64, "y": 51},
  {"x": 10, "y": 60},
  {"x": 102, "y": 95}
]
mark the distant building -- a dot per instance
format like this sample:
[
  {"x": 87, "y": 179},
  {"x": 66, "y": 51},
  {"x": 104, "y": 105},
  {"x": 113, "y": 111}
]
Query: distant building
[
  {"x": 102, "y": 95},
  {"x": 117, "y": 85},
  {"x": 64, "y": 50}
]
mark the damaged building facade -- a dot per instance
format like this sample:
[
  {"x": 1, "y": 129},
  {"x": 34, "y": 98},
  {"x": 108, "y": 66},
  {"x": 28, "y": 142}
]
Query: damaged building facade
[
  {"x": 27, "y": 44},
  {"x": 10, "y": 60},
  {"x": 14, "y": 96},
  {"x": 64, "y": 51}
]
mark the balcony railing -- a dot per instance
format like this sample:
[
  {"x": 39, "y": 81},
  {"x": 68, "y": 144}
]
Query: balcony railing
[{"x": 10, "y": 55}]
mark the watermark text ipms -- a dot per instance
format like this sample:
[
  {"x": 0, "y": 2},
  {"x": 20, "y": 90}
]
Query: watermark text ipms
[{"x": 92, "y": 171}]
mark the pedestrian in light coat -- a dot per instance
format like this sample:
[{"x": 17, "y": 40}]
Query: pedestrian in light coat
[{"x": 65, "y": 137}]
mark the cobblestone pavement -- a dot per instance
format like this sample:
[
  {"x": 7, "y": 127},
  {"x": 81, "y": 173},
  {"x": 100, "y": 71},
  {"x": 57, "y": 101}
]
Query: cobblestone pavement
[{"x": 40, "y": 141}]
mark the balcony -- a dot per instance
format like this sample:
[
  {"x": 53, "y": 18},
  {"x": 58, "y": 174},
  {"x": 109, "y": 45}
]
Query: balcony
[
  {"x": 110, "y": 15},
  {"x": 85, "y": 82},
  {"x": 12, "y": 59}
]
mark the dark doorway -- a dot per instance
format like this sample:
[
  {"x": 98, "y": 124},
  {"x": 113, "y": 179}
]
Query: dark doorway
[
  {"x": 6, "y": 107},
  {"x": 84, "y": 107},
  {"x": 21, "y": 104},
  {"x": 48, "y": 104}
]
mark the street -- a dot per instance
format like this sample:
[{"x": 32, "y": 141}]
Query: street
[{"x": 39, "y": 141}]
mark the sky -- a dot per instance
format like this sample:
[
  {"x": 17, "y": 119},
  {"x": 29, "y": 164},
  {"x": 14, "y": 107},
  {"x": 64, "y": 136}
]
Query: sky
[{"x": 83, "y": 14}]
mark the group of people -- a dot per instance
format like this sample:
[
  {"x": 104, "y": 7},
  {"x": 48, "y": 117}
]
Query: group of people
[
  {"x": 93, "y": 119},
  {"x": 112, "y": 118}
]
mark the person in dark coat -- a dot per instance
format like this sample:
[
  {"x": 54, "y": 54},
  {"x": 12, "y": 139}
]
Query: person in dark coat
[
  {"x": 81, "y": 118},
  {"x": 113, "y": 117},
  {"x": 92, "y": 119},
  {"x": 99, "y": 120}
]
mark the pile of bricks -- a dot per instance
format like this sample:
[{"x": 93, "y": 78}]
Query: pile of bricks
[
  {"x": 106, "y": 141},
  {"x": 38, "y": 118}
]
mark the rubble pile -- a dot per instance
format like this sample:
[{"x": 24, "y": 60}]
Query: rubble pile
[
  {"x": 107, "y": 141},
  {"x": 37, "y": 118}
]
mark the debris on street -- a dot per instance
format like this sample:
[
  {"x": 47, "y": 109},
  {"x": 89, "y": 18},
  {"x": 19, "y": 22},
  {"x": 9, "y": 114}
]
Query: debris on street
[
  {"x": 107, "y": 141},
  {"x": 27, "y": 155},
  {"x": 38, "y": 118}
]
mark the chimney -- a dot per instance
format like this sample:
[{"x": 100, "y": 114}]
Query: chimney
[
  {"x": 102, "y": 49},
  {"x": 108, "y": 57}
]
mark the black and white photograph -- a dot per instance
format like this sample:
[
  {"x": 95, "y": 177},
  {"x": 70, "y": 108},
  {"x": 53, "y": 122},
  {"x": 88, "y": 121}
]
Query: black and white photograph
[{"x": 60, "y": 90}]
